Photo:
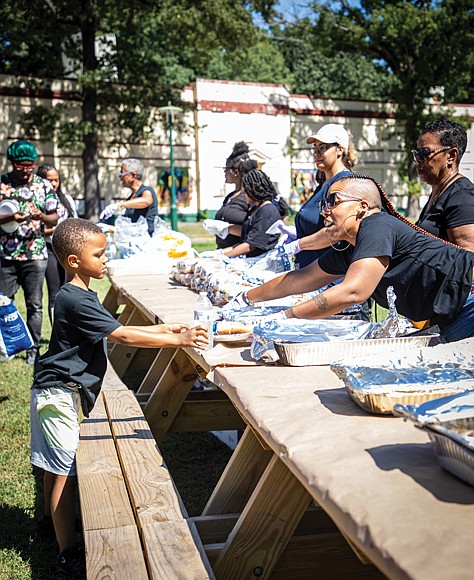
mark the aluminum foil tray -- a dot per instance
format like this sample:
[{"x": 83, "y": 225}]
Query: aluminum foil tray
[
  {"x": 454, "y": 455},
  {"x": 324, "y": 353},
  {"x": 378, "y": 383},
  {"x": 449, "y": 422}
]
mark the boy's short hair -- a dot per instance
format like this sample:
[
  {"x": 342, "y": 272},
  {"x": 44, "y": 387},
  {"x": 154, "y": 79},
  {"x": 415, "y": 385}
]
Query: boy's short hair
[{"x": 70, "y": 237}]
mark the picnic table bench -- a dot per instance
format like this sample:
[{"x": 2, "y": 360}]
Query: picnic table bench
[{"x": 135, "y": 524}]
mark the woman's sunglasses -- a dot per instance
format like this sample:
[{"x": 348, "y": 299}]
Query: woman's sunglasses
[
  {"x": 424, "y": 154},
  {"x": 321, "y": 149},
  {"x": 330, "y": 201}
]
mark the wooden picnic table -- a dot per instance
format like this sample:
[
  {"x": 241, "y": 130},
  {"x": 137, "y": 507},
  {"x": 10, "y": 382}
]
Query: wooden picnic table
[{"x": 308, "y": 452}]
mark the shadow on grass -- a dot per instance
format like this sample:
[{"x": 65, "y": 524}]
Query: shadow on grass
[
  {"x": 18, "y": 535},
  {"x": 196, "y": 461}
]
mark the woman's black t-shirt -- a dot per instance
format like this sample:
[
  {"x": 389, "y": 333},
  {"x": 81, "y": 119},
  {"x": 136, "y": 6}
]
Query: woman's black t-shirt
[
  {"x": 234, "y": 210},
  {"x": 149, "y": 213},
  {"x": 431, "y": 279},
  {"x": 254, "y": 227},
  {"x": 454, "y": 208}
]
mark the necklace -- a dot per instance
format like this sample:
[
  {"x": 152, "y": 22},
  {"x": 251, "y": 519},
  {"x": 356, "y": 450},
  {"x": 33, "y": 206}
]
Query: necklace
[{"x": 444, "y": 188}]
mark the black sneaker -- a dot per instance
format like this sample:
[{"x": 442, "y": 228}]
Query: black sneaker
[{"x": 71, "y": 564}]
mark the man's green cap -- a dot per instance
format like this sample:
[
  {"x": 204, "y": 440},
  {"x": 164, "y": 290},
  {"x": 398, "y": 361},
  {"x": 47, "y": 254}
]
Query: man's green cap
[{"x": 22, "y": 151}]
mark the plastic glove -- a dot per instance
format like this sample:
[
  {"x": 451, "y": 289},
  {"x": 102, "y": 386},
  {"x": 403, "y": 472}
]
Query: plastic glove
[
  {"x": 237, "y": 303},
  {"x": 279, "y": 227},
  {"x": 292, "y": 248},
  {"x": 109, "y": 211},
  {"x": 216, "y": 254},
  {"x": 276, "y": 316}
]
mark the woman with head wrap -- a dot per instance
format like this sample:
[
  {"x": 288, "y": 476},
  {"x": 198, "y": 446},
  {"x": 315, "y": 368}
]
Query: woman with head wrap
[{"x": 22, "y": 243}]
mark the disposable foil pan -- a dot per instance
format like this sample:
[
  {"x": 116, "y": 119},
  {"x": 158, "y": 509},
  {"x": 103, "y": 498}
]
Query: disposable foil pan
[
  {"x": 449, "y": 423},
  {"x": 324, "y": 353},
  {"x": 377, "y": 383},
  {"x": 454, "y": 454}
]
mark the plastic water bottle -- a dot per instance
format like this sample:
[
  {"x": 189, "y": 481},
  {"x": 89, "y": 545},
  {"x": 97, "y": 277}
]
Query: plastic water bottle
[
  {"x": 111, "y": 249},
  {"x": 204, "y": 315}
]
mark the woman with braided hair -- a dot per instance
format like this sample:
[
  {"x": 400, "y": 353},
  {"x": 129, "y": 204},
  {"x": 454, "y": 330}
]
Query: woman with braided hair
[
  {"x": 235, "y": 207},
  {"x": 265, "y": 209},
  {"x": 375, "y": 249}
]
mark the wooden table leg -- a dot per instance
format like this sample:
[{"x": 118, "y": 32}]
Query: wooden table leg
[
  {"x": 264, "y": 527},
  {"x": 110, "y": 300},
  {"x": 241, "y": 475},
  {"x": 169, "y": 394},
  {"x": 156, "y": 371}
]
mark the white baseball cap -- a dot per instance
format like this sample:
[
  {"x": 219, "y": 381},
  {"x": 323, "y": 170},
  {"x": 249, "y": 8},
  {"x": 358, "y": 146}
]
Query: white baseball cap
[{"x": 331, "y": 133}]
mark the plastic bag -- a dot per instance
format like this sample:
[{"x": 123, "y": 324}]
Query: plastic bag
[
  {"x": 130, "y": 237},
  {"x": 14, "y": 334},
  {"x": 216, "y": 228}
]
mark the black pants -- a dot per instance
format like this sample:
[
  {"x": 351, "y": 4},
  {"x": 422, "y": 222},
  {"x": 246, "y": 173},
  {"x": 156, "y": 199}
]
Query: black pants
[
  {"x": 28, "y": 275},
  {"x": 55, "y": 277}
]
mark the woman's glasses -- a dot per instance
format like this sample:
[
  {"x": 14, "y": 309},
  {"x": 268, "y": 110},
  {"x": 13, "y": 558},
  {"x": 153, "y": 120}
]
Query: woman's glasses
[
  {"x": 27, "y": 167},
  {"x": 123, "y": 173},
  {"x": 321, "y": 149},
  {"x": 424, "y": 154},
  {"x": 327, "y": 204}
]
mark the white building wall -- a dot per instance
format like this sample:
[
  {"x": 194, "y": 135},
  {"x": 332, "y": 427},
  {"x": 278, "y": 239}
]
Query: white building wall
[{"x": 267, "y": 117}]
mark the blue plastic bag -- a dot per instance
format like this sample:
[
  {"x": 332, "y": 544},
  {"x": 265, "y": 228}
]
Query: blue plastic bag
[{"x": 14, "y": 334}]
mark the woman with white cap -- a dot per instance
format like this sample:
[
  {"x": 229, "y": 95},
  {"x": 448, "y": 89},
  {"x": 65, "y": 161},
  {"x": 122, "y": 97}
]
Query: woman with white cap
[{"x": 335, "y": 156}]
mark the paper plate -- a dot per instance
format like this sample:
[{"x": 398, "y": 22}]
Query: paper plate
[
  {"x": 9, "y": 207},
  {"x": 232, "y": 337}
]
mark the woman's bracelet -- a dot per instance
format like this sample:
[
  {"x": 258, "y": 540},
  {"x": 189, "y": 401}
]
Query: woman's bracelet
[{"x": 246, "y": 299}]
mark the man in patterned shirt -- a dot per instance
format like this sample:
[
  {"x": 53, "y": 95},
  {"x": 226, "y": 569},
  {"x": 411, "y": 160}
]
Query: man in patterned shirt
[{"x": 22, "y": 243}]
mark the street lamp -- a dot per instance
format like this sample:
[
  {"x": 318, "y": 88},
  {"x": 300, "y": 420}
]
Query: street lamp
[{"x": 170, "y": 112}]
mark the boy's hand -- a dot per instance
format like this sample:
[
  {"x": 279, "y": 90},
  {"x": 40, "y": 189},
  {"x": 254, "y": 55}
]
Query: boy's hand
[
  {"x": 177, "y": 327},
  {"x": 196, "y": 337}
]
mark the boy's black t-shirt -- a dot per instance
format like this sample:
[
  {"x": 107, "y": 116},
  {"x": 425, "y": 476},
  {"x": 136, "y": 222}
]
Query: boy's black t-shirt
[
  {"x": 254, "y": 227},
  {"x": 431, "y": 279},
  {"x": 76, "y": 352}
]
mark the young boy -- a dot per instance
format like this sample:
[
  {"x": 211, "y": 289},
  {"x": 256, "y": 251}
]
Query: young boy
[{"x": 71, "y": 373}]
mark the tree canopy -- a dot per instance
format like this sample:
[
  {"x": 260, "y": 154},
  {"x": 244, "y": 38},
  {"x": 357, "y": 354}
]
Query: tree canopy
[{"x": 405, "y": 51}]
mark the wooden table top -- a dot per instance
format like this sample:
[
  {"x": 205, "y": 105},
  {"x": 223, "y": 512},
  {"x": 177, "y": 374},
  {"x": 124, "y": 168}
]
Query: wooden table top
[{"x": 376, "y": 476}]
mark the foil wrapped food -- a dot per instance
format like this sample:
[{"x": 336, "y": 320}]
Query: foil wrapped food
[{"x": 377, "y": 383}]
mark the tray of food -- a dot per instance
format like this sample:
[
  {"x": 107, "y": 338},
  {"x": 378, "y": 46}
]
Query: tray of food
[
  {"x": 377, "y": 383},
  {"x": 325, "y": 353},
  {"x": 449, "y": 423}
]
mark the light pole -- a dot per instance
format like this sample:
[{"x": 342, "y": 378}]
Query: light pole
[{"x": 171, "y": 111}]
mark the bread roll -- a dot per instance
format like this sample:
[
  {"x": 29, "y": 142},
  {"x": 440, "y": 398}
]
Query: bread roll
[{"x": 229, "y": 327}]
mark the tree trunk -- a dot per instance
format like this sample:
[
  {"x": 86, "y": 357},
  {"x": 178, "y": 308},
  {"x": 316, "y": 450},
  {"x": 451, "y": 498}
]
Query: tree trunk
[{"x": 90, "y": 155}]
